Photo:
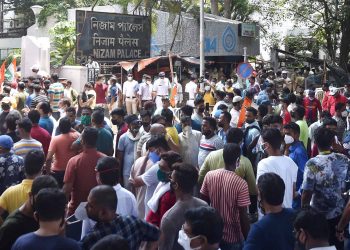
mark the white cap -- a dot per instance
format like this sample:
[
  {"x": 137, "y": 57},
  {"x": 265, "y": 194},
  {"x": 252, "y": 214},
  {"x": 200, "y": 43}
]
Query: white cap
[
  {"x": 333, "y": 91},
  {"x": 237, "y": 98},
  {"x": 284, "y": 72}
]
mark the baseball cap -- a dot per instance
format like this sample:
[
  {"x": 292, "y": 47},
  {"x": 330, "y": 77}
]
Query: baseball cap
[
  {"x": 333, "y": 91},
  {"x": 6, "y": 142},
  {"x": 161, "y": 74},
  {"x": 237, "y": 98}
]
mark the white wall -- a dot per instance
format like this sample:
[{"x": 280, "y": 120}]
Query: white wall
[{"x": 76, "y": 74}]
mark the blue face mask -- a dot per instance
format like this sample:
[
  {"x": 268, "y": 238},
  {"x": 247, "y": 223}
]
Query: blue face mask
[{"x": 154, "y": 157}]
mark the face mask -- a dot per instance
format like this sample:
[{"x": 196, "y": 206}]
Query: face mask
[
  {"x": 85, "y": 120},
  {"x": 311, "y": 98},
  {"x": 129, "y": 78},
  {"x": 187, "y": 130},
  {"x": 344, "y": 113},
  {"x": 154, "y": 157},
  {"x": 185, "y": 241},
  {"x": 115, "y": 122},
  {"x": 135, "y": 130},
  {"x": 162, "y": 176},
  {"x": 249, "y": 122},
  {"x": 207, "y": 88},
  {"x": 288, "y": 139}
]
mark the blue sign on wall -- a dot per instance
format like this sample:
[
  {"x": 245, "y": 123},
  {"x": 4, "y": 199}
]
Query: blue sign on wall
[
  {"x": 210, "y": 44},
  {"x": 229, "y": 39}
]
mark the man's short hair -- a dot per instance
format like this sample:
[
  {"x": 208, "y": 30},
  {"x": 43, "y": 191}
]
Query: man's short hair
[
  {"x": 186, "y": 176},
  {"x": 105, "y": 197},
  {"x": 156, "y": 118},
  {"x": 263, "y": 110},
  {"x": 157, "y": 142},
  {"x": 267, "y": 120},
  {"x": 339, "y": 106},
  {"x": 273, "y": 137},
  {"x": 300, "y": 110},
  {"x": 171, "y": 157},
  {"x": 324, "y": 137},
  {"x": 45, "y": 107},
  {"x": 271, "y": 188},
  {"x": 54, "y": 77},
  {"x": 227, "y": 116},
  {"x": 211, "y": 121},
  {"x": 34, "y": 116},
  {"x": 144, "y": 113},
  {"x": 108, "y": 169},
  {"x": 168, "y": 114},
  {"x": 293, "y": 126},
  {"x": 34, "y": 162},
  {"x": 111, "y": 242},
  {"x": 205, "y": 221},
  {"x": 329, "y": 122},
  {"x": 25, "y": 124},
  {"x": 252, "y": 110},
  {"x": 71, "y": 110},
  {"x": 234, "y": 135},
  {"x": 50, "y": 204},
  {"x": 187, "y": 110},
  {"x": 89, "y": 136},
  {"x": 231, "y": 153},
  {"x": 97, "y": 117},
  {"x": 198, "y": 101},
  {"x": 118, "y": 111},
  {"x": 64, "y": 125},
  {"x": 276, "y": 119},
  {"x": 313, "y": 223},
  {"x": 43, "y": 181}
]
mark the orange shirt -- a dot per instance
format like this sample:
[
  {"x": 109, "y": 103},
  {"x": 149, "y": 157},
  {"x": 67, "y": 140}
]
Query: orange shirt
[
  {"x": 60, "y": 146},
  {"x": 246, "y": 104}
]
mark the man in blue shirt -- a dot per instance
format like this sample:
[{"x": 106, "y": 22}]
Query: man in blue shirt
[
  {"x": 295, "y": 149},
  {"x": 45, "y": 122}
]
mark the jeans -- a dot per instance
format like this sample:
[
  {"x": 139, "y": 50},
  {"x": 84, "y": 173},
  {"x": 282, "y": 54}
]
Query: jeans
[{"x": 231, "y": 246}]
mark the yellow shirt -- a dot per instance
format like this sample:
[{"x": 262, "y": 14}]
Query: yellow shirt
[
  {"x": 208, "y": 98},
  {"x": 172, "y": 132},
  {"x": 15, "y": 196}
]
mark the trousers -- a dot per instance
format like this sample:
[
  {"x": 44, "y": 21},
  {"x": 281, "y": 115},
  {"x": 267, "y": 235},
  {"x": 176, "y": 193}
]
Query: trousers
[{"x": 131, "y": 107}]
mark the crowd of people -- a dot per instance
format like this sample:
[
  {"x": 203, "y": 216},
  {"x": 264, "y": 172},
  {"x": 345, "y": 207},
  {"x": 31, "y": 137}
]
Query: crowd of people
[{"x": 208, "y": 163}]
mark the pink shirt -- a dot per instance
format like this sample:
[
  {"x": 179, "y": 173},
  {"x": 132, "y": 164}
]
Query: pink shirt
[{"x": 100, "y": 90}]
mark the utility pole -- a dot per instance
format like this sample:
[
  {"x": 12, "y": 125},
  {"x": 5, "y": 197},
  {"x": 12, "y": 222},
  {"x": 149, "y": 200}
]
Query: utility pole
[{"x": 201, "y": 39}]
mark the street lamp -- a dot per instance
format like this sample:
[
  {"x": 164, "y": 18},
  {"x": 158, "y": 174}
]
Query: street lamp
[{"x": 36, "y": 10}]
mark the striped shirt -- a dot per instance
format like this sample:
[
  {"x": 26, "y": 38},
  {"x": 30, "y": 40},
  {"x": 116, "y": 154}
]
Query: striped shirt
[
  {"x": 208, "y": 145},
  {"x": 22, "y": 147},
  {"x": 36, "y": 99},
  {"x": 227, "y": 192},
  {"x": 57, "y": 90}
]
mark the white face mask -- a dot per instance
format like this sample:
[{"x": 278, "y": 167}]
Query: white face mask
[
  {"x": 129, "y": 78},
  {"x": 288, "y": 139},
  {"x": 185, "y": 241},
  {"x": 344, "y": 113},
  {"x": 187, "y": 130},
  {"x": 311, "y": 98},
  {"x": 207, "y": 88}
]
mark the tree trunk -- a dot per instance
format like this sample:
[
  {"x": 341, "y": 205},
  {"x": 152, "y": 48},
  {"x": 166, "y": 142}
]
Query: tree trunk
[
  {"x": 344, "y": 41},
  {"x": 227, "y": 9},
  {"x": 214, "y": 7}
]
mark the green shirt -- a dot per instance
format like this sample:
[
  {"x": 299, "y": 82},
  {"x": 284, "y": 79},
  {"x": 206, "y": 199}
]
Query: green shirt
[
  {"x": 304, "y": 131},
  {"x": 215, "y": 161}
]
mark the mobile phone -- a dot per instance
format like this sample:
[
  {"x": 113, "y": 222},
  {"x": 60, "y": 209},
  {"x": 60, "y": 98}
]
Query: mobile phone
[{"x": 207, "y": 107}]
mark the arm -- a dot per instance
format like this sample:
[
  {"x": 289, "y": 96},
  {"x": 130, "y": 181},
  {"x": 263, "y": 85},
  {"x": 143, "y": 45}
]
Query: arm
[
  {"x": 306, "y": 198},
  {"x": 49, "y": 161},
  {"x": 67, "y": 189},
  {"x": 244, "y": 221},
  {"x": 205, "y": 198},
  {"x": 173, "y": 146}
]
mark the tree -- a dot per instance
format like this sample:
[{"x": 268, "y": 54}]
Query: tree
[{"x": 327, "y": 20}]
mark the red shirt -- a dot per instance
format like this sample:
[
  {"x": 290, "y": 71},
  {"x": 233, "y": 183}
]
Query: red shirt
[
  {"x": 80, "y": 172},
  {"x": 311, "y": 108},
  {"x": 227, "y": 192},
  {"x": 332, "y": 101},
  {"x": 166, "y": 202},
  {"x": 100, "y": 90},
  {"x": 286, "y": 117},
  {"x": 41, "y": 135}
]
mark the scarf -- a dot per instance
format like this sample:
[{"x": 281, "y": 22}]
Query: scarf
[{"x": 134, "y": 139}]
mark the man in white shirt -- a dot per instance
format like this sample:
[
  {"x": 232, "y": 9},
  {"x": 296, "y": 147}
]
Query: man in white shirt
[
  {"x": 129, "y": 95},
  {"x": 145, "y": 91},
  {"x": 235, "y": 111},
  {"x": 161, "y": 89},
  {"x": 279, "y": 164},
  {"x": 192, "y": 89}
]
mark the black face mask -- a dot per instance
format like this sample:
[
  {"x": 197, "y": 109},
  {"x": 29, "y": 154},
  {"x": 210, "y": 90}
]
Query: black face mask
[
  {"x": 146, "y": 124},
  {"x": 115, "y": 122}
]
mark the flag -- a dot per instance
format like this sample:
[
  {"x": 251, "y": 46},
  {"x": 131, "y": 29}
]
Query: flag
[
  {"x": 10, "y": 71},
  {"x": 2, "y": 72},
  {"x": 173, "y": 95}
]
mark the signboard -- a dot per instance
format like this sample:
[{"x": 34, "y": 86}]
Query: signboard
[
  {"x": 244, "y": 70},
  {"x": 247, "y": 29},
  {"x": 110, "y": 37}
]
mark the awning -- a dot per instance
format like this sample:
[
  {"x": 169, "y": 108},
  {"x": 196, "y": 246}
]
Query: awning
[
  {"x": 127, "y": 65},
  {"x": 145, "y": 62}
]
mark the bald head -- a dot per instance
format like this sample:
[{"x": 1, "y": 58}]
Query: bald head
[{"x": 157, "y": 129}]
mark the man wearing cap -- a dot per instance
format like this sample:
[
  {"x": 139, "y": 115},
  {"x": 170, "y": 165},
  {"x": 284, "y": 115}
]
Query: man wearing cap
[
  {"x": 192, "y": 89},
  {"x": 129, "y": 94},
  {"x": 235, "y": 111},
  {"x": 145, "y": 91},
  {"x": 127, "y": 147},
  {"x": 161, "y": 88},
  {"x": 312, "y": 106},
  {"x": 334, "y": 97},
  {"x": 11, "y": 165}
]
